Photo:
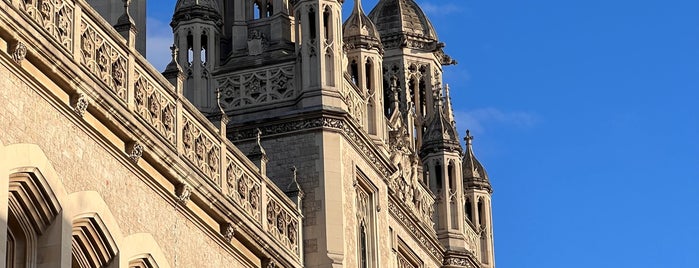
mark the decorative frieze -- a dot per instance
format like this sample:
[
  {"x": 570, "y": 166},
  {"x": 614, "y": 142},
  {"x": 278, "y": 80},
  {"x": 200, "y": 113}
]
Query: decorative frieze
[
  {"x": 434, "y": 249},
  {"x": 103, "y": 59},
  {"x": 200, "y": 149},
  {"x": 154, "y": 106},
  {"x": 54, "y": 16},
  {"x": 244, "y": 191},
  {"x": 281, "y": 225},
  {"x": 241, "y": 90}
]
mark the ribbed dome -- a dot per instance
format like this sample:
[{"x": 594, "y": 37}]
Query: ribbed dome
[
  {"x": 191, "y": 9},
  {"x": 475, "y": 176},
  {"x": 358, "y": 29},
  {"x": 402, "y": 16}
]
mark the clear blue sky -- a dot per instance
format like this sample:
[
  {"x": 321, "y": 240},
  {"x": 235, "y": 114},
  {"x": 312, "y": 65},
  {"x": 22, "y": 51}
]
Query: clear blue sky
[{"x": 586, "y": 116}]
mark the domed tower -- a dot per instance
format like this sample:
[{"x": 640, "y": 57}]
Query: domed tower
[
  {"x": 441, "y": 155},
  {"x": 364, "y": 60},
  {"x": 413, "y": 56},
  {"x": 197, "y": 28},
  {"x": 478, "y": 208}
]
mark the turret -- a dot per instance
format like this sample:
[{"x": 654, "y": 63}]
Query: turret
[
  {"x": 196, "y": 26},
  {"x": 318, "y": 46},
  {"x": 478, "y": 191},
  {"x": 441, "y": 155},
  {"x": 364, "y": 60}
]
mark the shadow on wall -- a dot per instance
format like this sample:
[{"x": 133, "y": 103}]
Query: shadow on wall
[{"x": 47, "y": 227}]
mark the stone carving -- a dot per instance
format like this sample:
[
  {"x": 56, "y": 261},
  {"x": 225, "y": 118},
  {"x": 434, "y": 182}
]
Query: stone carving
[
  {"x": 183, "y": 192},
  {"x": 103, "y": 60},
  {"x": 365, "y": 146},
  {"x": 281, "y": 225},
  {"x": 200, "y": 149},
  {"x": 356, "y": 104},
  {"x": 258, "y": 87},
  {"x": 403, "y": 262},
  {"x": 229, "y": 230},
  {"x": 135, "y": 151},
  {"x": 457, "y": 261},
  {"x": 55, "y": 17},
  {"x": 472, "y": 243},
  {"x": 155, "y": 107},
  {"x": 80, "y": 104},
  {"x": 257, "y": 43},
  {"x": 19, "y": 52},
  {"x": 434, "y": 249},
  {"x": 243, "y": 189}
]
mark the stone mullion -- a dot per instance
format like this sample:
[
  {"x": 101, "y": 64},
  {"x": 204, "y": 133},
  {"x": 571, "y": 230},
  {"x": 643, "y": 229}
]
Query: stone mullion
[{"x": 77, "y": 35}]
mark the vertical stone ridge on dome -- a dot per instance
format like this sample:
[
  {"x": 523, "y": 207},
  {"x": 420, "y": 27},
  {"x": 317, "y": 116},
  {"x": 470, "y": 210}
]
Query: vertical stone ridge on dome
[
  {"x": 475, "y": 176},
  {"x": 402, "y": 17}
]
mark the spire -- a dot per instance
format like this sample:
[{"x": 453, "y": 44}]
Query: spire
[
  {"x": 359, "y": 31},
  {"x": 448, "y": 108},
  {"x": 441, "y": 135},
  {"x": 173, "y": 66},
  {"x": 475, "y": 176}
]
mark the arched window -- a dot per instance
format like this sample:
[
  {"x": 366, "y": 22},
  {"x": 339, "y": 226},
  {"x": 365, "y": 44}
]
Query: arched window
[
  {"x": 327, "y": 27},
  {"x": 203, "y": 53},
  {"x": 438, "y": 174},
  {"x": 363, "y": 254},
  {"x": 269, "y": 10},
  {"x": 423, "y": 99},
  {"x": 469, "y": 210},
  {"x": 354, "y": 72},
  {"x": 369, "y": 76},
  {"x": 312, "y": 23},
  {"x": 452, "y": 179},
  {"x": 190, "y": 48},
  {"x": 481, "y": 210},
  {"x": 257, "y": 11}
]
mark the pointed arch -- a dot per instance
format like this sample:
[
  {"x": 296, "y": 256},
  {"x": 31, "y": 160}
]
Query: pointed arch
[
  {"x": 35, "y": 201},
  {"x": 95, "y": 232},
  {"x": 142, "y": 251}
]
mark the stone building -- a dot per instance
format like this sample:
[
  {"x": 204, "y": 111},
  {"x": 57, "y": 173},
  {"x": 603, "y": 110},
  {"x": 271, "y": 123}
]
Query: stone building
[{"x": 278, "y": 136}]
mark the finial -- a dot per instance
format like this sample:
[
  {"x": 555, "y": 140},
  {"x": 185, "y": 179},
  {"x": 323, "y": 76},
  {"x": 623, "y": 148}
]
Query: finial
[
  {"x": 218, "y": 101},
  {"x": 468, "y": 138},
  {"x": 259, "y": 136},
  {"x": 294, "y": 170},
  {"x": 174, "y": 51}
]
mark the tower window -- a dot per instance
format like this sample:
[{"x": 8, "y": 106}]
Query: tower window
[
  {"x": 469, "y": 210},
  {"x": 438, "y": 175},
  {"x": 269, "y": 10},
  {"x": 190, "y": 48},
  {"x": 369, "y": 71},
  {"x": 326, "y": 25},
  {"x": 312, "y": 23},
  {"x": 257, "y": 11},
  {"x": 481, "y": 209},
  {"x": 204, "y": 44},
  {"x": 354, "y": 72},
  {"x": 363, "y": 246}
]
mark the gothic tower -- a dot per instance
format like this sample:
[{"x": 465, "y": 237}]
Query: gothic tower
[
  {"x": 478, "y": 207},
  {"x": 197, "y": 28},
  {"x": 441, "y": 155},
  {"x": 364, "y": 60},
  {"x": 319, "y": 46},
  {"x": 413, "y": 59}
]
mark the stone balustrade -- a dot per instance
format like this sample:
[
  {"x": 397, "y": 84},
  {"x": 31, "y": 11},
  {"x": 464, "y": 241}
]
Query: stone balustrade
[{"x": 126, "y": 78}]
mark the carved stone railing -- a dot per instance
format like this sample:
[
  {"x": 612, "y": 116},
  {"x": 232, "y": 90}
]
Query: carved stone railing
[
  {"x": 472, "y": 239},
  {"x": 241, "y": 90},
  {"x": 356, "y": 105},
  {"x": 416, "y": 198},
  {"x": 127, "y": 80}
]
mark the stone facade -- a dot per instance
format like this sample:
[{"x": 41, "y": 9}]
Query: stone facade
[{"x": 277, "y": 137}]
